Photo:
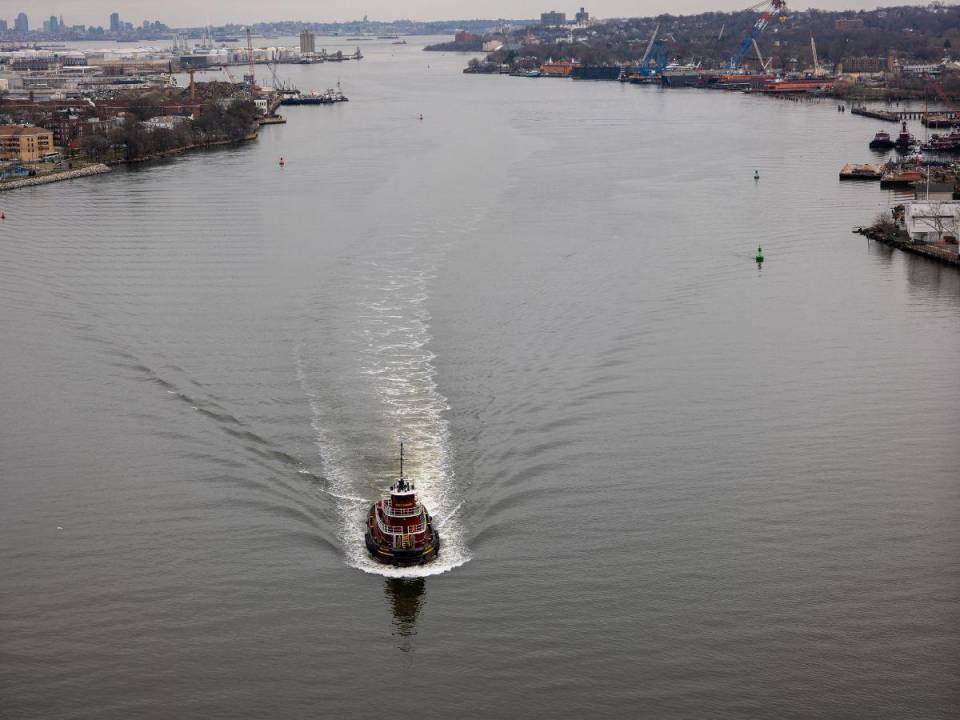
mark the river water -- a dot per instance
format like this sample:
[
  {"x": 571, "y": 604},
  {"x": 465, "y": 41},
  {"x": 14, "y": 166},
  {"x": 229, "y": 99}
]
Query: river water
[{"x": 669, "y": 484}]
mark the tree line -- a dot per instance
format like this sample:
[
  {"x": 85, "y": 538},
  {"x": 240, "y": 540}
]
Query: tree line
[{"x": 134, "y": 140}]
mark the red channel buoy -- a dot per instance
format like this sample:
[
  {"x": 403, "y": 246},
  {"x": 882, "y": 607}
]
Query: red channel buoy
[{"x": 282, "y": 163}]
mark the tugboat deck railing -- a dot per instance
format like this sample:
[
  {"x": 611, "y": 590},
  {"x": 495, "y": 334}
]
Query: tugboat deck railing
[
  {"x": 401, "y": 512},
  {"x": 400, "y": 530}
]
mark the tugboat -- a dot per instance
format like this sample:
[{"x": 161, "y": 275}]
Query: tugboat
[
  {"x": 881, "y": 141},
  {"x": 400, "y": 531},
  {"x": 905, "y": 140}
]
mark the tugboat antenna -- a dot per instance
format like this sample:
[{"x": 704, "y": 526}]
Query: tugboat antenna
[{"x": 401, "y": 460}]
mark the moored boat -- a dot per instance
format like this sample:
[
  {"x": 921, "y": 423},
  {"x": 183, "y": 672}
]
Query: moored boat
[
  {"x": 881, "y": 141},
  {"x": 901, "y": 177},
  {"x": 905, "y": 141},
  {"x": 943, "y": 143},
  {"x": 400, "y": 530}
]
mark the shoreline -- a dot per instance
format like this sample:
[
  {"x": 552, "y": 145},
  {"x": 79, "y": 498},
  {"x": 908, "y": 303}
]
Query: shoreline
[
  {"x": 182, "y": 150},
  {"x": 928, "y": 251},
  {"x": 107, "y": 167}
]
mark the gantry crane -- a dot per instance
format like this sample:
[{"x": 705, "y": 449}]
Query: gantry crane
[{"x": 658, "y": 51}]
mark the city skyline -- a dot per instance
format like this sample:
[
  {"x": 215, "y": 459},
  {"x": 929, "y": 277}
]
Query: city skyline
[{"x": 179, "y": 13}]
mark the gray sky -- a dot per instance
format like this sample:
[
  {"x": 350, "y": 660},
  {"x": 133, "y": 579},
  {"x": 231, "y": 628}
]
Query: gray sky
[{"x": 192, "y": 12}]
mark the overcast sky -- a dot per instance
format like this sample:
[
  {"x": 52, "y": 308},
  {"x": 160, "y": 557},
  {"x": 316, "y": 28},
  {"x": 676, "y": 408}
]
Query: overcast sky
[{"x": 217, "y": 12}]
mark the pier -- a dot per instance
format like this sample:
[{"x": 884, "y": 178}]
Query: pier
[{"x": 931, "y": 119}]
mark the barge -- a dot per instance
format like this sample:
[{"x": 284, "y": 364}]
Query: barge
[{"x": 881, "y": 141}]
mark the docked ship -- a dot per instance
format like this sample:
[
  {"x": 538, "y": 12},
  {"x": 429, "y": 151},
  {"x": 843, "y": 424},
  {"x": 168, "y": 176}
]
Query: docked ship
[
  {"x": 943, "y": 143},
  {"x": 741, "y": 81},
  {"x": 292, "y": 96},
  {"x": 881, "y": 141},
  {"x": 675, "y": 75},
  {"x": 400, "y": 531},
  {"x": 899, "y": 176},
  {"x": 596, "y": 72}
]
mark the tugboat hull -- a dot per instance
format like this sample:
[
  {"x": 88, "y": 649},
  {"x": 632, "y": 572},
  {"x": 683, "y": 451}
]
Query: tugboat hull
[
  {"x": 403, "y": 558},
  {"x": 406, "y": 557}
]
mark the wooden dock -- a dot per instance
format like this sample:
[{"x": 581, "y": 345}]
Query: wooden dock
[{"x": 876, "y": 114}]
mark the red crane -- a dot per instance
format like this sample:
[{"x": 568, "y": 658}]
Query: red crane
[{"x": 767, "y": 8}]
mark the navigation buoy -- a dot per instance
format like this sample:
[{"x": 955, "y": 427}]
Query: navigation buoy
[
  {"x": 756, "y": 174},
  {"x": 282, "y": 163},
  {"x": 421, "y": 116},
  {"x": 759, "y": 257},
  {"x": 3, "y": 216}
]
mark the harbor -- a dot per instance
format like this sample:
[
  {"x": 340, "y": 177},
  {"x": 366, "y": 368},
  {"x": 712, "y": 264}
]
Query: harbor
[
  {"x": 216, "y": 360},
  {"x": 688, "y": 442}
]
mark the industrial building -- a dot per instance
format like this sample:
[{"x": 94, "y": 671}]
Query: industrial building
[
  {"x": 308, "y": 43},
  {"x": 553, "y": 18}
]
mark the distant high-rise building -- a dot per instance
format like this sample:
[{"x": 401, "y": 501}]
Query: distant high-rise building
[
  {"x": 54, "y": 24},
  {"x": 308, "y": 42},
  {"x": 553, "y": 18},
  {"x": 582, "y": 18},
  {"x": 3, "y": 26},
  {"x": 21, "y": 25},
  {"x": 114, "y": 22}
]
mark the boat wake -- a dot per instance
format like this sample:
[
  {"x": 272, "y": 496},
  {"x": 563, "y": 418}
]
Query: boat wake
[{"x": 395, "y": 366}]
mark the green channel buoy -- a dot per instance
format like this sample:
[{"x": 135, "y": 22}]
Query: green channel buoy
[{"x": 759, "y": 257}]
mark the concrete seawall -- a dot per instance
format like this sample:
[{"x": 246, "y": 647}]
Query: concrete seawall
[
  {"x": 930, "y": 251},
  {"x": 55, "y": 177}
]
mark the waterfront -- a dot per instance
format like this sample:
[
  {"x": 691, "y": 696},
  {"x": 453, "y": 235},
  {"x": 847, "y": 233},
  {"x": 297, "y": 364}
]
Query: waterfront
[{"x": 669, "y": 483}]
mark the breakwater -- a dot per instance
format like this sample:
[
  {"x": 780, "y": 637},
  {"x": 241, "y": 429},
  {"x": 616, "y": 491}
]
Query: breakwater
[{"x": 56, "y": 177}]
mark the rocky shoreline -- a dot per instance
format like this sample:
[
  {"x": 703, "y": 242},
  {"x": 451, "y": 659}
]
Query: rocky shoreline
[{"x": 98, "y": 169}]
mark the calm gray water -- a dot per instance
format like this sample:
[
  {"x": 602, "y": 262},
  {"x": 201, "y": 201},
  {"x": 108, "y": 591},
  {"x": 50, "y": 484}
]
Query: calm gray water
[{"x": 670, "y": 485}]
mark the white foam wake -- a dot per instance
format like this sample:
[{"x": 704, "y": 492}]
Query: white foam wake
[{"x": 394, "y": 328}]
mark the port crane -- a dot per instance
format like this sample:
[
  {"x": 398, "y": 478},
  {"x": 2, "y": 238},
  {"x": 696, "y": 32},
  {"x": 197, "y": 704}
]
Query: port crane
[
  {"x": 658, "y": 51},
  {"x": 764, "y": 64},
  {"x": 767, "y": 8}
]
